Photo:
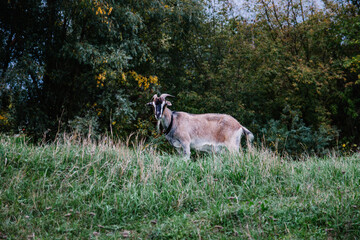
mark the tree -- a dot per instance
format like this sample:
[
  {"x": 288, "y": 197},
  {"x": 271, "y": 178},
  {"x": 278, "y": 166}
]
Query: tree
[{"x": 65, "y": 60}]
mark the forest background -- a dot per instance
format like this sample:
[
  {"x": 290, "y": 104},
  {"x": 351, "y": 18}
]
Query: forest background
[{"x": 289, "y": 70}]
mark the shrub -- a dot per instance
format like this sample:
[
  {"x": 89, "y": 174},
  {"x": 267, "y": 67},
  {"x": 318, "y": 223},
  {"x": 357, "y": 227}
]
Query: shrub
[{"x": 293, "y": 137}]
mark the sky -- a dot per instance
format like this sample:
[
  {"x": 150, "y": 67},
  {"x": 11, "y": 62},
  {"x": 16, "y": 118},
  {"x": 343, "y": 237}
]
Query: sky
[{"x": 241, "y": 6}]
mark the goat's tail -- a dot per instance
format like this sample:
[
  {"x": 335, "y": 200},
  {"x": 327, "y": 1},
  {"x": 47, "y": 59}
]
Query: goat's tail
[{"x": 249, "y": 135}]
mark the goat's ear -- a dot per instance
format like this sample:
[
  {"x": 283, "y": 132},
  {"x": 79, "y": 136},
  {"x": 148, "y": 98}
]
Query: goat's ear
[
  {"x": 149, "y": 104},
  {"x": 168, "y": 103}
]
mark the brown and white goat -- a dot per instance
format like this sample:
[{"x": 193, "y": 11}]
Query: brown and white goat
[{"x": 204, "y": 132}]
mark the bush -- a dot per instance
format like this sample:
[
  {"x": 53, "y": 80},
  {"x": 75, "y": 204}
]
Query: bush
[{"x": 290, "y": 135}]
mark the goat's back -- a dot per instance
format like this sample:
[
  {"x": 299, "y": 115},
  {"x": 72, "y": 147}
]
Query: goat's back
[{"x": 211, "y": 126}]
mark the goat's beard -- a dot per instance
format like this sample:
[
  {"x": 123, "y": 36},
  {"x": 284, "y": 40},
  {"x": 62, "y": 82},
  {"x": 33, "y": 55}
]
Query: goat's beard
[{"x": 158, "y": 126}]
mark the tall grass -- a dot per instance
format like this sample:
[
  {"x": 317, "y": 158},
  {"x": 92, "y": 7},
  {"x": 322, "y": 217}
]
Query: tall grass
[{"x": 71, "y": 189}]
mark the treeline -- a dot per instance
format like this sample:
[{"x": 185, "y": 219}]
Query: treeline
[{"x": 288, "y": 70}]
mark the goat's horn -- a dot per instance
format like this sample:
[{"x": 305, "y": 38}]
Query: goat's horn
[
  {"x": 155, "y": 96},
  {"x": 164, "y": 95}
]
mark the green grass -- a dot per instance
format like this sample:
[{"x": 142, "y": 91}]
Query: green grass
[{"x": 109, "y": 191}]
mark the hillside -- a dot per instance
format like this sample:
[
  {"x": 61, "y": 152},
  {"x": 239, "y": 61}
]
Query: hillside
[{"x": 72, "y": 190}]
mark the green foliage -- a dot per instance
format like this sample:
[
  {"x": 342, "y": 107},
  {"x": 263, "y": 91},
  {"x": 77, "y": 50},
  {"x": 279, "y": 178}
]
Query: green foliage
[
  {"x": 65, "y": 64},
  {"x": 291, "y": 136},
  {"x": 86, "y": 54},
  {"x": 76, "y": 189},
  {"x": 283, "y": 58}
]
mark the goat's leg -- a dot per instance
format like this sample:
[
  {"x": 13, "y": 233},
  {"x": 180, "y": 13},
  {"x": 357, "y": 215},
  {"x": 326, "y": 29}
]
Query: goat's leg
[
  {"x": 186, "y": 150},
  {"x": 233, "y": 148},
  {"x": 233, "y": 145},
  {"x": 182, "y": 151},
  {"x": 179, "y": 150}
]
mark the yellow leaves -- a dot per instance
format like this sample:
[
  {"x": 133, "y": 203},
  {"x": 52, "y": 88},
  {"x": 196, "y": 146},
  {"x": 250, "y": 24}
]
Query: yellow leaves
[
  {"x": 124, "y": 77},
  {"x": 99, "y": 111},
  {"x": 168, "y": 7},
  {"x": 103, "y": 10},
  {"x": 94, "y": 107},
  {"x": 99, "y": 11},
  {"x": 100, "y": 79},
  {"x": 154, "y": 79},
  {"x": 101, "y": 76},
  {"x": 99, "y": 84},
  {"x": 4, "y": 120},
  {"x": 144, "y": 82}
]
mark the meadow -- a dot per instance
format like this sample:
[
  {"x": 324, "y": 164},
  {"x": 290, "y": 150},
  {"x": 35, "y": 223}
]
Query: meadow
[{"x": 78, "y": 189}]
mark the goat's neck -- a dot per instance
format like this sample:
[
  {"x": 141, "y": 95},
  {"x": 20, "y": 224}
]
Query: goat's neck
[{"x": 166, "y": 119}]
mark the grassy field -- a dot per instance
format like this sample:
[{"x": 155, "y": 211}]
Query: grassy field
[{"x": 74, "y": 190}]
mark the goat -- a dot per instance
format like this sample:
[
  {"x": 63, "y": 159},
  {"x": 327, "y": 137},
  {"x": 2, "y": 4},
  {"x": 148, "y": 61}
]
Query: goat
[{"x": 208, "y": 132}]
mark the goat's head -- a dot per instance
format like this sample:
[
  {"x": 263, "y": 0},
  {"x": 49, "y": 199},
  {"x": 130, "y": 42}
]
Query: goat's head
[{"x": 159, "y": 104}]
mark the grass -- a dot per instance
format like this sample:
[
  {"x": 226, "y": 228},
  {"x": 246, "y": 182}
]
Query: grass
[{"x": 73, "y": 190}]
